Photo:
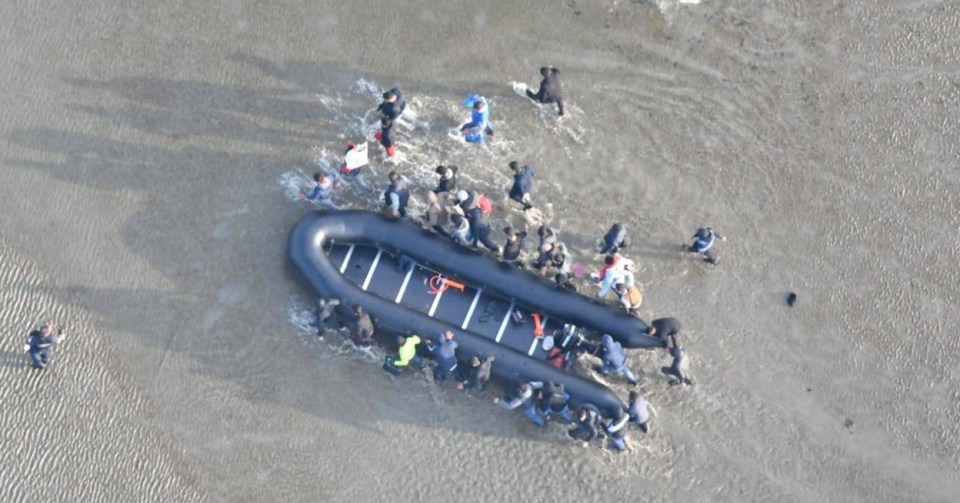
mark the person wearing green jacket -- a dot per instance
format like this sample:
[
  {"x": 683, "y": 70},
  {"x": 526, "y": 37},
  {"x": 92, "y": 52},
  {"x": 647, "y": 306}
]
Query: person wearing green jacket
[{"x": 406, "y": 353}]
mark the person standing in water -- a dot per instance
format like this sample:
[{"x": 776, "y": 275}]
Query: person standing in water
[
  {"x": 324, "y": 311},
  {"x": 522, "y": 184},
  {"x": 448, "y": 179},
  {"x": 353, "y": 172},
  {"x": 550, "y": 89},
  {"x": 322, "y": 192},
  {"x": 436, "y": 216},
  {"x": 397, "y": 195},
  {"x": 479, "y": 120}
]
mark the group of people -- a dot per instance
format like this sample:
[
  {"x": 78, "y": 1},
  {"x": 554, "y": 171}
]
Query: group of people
[{"x": 465, "y": 217}]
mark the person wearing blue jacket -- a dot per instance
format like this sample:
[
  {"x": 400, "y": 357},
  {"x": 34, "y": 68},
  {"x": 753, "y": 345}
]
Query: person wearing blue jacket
[
  {"x": 616, "y": 429},
  {"x": 479, "y": 119},
  {"x": 704, "y": 239},
  {"x": 615, "y": 359},
  {"x": 39, "y": 345},
  {"x": 445, "y": 351},
  {"x": 522, "y": 184},
  {"x": 322, "y": 191},
  {"x": 527, "y": 398}
]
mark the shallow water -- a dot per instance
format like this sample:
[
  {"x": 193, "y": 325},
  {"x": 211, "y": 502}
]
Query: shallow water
[{"x": 146, "y": 199}]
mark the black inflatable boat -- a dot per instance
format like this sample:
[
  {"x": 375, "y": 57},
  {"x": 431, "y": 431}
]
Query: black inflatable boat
[{"x": 413, "y": 281}]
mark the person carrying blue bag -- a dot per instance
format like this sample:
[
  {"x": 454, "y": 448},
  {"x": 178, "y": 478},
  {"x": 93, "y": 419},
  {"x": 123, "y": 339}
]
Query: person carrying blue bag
[{"x": 479, "y": 125}]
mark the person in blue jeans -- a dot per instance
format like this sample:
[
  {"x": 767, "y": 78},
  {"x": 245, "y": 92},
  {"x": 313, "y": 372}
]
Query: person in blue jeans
[
  {"x": 39, "y": 345},
  {"x": 553, "y": 401},
  {"x": 615, "y": 359},
  {"x": 527, "y": 398},
  {"x": 617, "y": 431},
  {"x": 445, "y": 351}
]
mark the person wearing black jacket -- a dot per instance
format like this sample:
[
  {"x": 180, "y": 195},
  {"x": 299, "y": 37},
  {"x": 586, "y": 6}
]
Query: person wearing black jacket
[
  {"x": 448, "y": 179},
  {"x": 585, "y": 428},
  {"x": 553, "y": 401},
  {"x": 522, "y": 184},
  {"x": 550, "y": 89},
  {"x": 513, "y": 247},
  {"x": 393, "y": 104}
]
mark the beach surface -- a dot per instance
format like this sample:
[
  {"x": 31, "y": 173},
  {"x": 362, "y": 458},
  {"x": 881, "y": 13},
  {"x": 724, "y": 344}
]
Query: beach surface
[{"x": 149, "y": 155}]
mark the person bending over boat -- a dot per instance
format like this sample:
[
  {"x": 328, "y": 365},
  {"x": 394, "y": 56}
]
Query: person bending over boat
[
  {"x": 406, "y": 353},
  {"x": 397, "y": 195},
  {"x": 361, "y": 328},
  {"x": 639, "y": 411},
  {"x": 40, "y": 343},
  {"x": 444, "y": 349},
  {"x": 616, "y": 429},
  {"x": 551, "y": 91},
  {"x": 705, "y": 238},
  {"x": 527, "y": 398},
  {"x": 585, "y": 429},
  {"x": 667, "y": 329},
  {"x": 448, "y": 179},
  {"x": 476, "y": 375},
  {"x": 553, "y": 401},
  {"x": 322, "y": 191},
  {"x": 615, "y": 360},
  {"x": 522, "y": 184},
  {"x": 615, "y": 239},
  {"x": 630, "y": 298}
]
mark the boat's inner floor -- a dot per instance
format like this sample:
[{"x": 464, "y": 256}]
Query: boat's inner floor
[{"x": 421, "y": 289}]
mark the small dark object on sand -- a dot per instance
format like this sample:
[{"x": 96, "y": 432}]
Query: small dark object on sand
[{"x": 791, "y": 299}]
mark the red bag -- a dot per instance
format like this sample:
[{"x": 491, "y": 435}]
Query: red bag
[{"x": 483, "y": 202}]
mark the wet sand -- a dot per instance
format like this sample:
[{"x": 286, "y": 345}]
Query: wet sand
[{"x": 141, "y": 208}]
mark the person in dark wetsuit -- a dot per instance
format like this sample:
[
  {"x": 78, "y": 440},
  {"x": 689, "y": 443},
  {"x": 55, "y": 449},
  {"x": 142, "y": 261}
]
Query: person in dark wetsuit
[
  {"x": 448, "y": 179},
  {"x": 39, "y": 345},
  {"x": 550, "y": 89},
  {"x": 614, "y": 239},
  {"x": 522, "y": 184},
  {"x": 385, "y": 136},
  {"x": 393, "y": 104},
  {"x": 667, "y": 329}
]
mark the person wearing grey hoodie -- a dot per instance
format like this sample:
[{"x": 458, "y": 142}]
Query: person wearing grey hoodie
[
  {"x": 527, "y": 398},
  {"x": 639, "y": 411},
  {"x": 615, "y": 359}
]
